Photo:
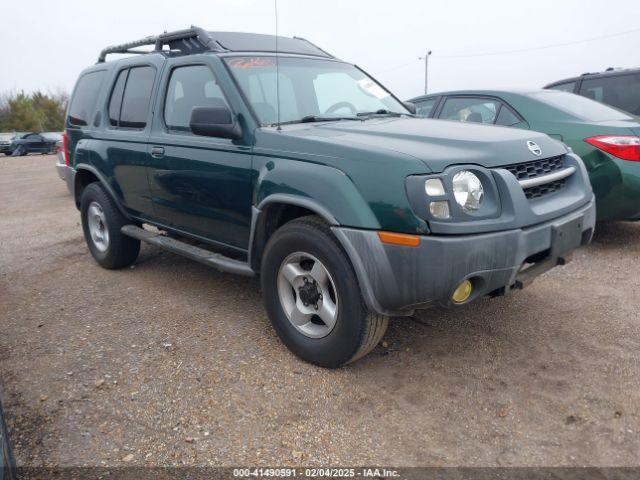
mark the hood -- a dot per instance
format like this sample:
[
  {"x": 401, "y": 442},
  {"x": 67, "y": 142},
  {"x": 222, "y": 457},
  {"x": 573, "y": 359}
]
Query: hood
[{"x": 436, "y": 143}]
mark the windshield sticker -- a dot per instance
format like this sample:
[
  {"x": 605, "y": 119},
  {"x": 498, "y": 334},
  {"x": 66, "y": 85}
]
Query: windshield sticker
[
  {"x": 251, "y": 62},
  {"x": 372, "y": 88}
]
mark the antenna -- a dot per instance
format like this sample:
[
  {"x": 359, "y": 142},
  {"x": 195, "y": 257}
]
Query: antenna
[{"x": 277, "y": 69}]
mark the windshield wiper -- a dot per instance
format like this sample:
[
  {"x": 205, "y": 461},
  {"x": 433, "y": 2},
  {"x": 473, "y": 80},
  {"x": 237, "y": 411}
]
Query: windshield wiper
[
  {"x": 382, "y": 111},
  {"x": 318, "y": 118}
]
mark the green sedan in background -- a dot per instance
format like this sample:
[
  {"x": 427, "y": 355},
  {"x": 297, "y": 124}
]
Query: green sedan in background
[{"x": 607, "y": 139}]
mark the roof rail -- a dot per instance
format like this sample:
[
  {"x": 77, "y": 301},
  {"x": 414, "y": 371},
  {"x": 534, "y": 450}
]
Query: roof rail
[{"x": 190, "y": 40}]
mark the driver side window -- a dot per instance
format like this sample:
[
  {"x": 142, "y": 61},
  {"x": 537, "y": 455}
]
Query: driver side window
[{"x": 190, "y": 86}]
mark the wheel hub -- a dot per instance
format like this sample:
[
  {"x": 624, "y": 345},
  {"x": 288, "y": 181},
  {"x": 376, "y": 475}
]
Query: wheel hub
[
  {"x": 97, "y": 223},
  {"x": 309, "y": 293}
]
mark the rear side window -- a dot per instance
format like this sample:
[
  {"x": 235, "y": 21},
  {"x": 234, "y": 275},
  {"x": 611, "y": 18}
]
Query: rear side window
[
  {"x": 424, "y": 108},
  {"x": 506, "y": 117},
  {"x": 85, "y": 97},
  {"x": 564, "y": 87},
  {"x": 136, "y": 97},
  {"x": 469, "y": 109},
  {"x": 190, "y": 86},
  {"x": 622, "y": 91}
]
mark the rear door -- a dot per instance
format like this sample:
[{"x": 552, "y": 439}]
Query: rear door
[
  {"x": 126, "y": 135},
  {"x": 200, "y": 185}
]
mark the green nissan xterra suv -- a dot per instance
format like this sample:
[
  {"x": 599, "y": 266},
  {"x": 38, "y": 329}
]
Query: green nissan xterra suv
[{"x": 303, "y": 169}]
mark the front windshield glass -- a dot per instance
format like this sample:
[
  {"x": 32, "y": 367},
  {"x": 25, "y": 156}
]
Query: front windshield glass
[
  {"x": 580, "y": 107},
  {"x": 309, "y": 88}
]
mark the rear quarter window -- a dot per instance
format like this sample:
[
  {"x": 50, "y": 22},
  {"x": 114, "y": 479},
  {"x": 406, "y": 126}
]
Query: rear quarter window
[{"x": 85, "y": 96}]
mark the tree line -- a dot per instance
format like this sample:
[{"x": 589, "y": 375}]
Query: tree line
[{"x": 35, "y": 112}]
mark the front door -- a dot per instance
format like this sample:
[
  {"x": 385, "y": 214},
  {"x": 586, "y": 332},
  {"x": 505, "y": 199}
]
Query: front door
[
  {"x": 35, "y": 143},
  {"x": 199, "y": 185}
]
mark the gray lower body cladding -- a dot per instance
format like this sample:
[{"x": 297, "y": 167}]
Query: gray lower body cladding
[
  {"x": 396, "y": 280},
  {"x": 67, "y": 174}
]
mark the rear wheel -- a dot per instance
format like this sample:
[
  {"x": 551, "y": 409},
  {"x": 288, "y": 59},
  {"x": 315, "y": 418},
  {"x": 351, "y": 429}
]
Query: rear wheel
[
  {"x": 101, "y": 224},
  {"x": 312, "y": 296}
]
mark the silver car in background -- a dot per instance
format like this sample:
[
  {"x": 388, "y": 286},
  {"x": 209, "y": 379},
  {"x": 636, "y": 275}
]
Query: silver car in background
[{"x": 65, "y": 172}]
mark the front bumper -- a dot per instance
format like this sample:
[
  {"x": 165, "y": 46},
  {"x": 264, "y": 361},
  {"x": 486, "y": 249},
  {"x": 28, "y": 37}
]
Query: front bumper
[
  {"x": 396, "y": 280},
  {"x": 6, "y": 149},
  {"x": 66, "y": 173}
]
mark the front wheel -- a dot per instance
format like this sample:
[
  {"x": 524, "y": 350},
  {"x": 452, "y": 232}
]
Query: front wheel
[
  {"x": 101, "y": 224},
  {"x": 312, "y": 296},
  {"x": 20, "y": 151}
]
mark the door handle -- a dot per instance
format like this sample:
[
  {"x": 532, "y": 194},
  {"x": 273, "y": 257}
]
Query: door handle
[{"x": 157, "y": 152}]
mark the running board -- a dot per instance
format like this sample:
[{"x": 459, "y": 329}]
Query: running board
[{"x": 216, "y": 260}]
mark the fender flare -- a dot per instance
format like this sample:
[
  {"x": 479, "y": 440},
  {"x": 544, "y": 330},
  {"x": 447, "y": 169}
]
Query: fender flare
[
  {"x": 103, "y": 181},
  {"x": 288, "y": 199},
  {"x": 316, "y": 207},
  {"x": 299, "y": 201}
]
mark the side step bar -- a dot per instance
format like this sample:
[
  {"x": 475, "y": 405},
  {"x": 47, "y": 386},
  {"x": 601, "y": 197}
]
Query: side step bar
[{"x": 216, "y": 260}]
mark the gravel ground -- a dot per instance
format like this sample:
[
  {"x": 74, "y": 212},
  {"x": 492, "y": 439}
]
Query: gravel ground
[{"x": 172, "y": 363}]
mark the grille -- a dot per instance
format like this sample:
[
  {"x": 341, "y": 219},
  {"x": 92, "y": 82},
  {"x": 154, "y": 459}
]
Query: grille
[
  {"x": 536, "y": 168},
  {"x": 546, "y": 189},
  {"x": 524, "y": 171}
]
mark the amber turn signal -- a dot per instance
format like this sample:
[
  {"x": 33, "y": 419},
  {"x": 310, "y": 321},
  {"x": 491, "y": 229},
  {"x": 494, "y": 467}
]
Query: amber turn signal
[{"x": 403, "y": 239}]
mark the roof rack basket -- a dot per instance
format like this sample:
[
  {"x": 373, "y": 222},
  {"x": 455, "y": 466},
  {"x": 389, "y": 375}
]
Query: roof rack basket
[{"x": 191, "y": 40}]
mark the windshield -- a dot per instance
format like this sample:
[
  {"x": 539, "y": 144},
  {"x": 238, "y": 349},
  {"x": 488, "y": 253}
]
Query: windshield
[
  {"x": 580, "y": 107},
  {"x": 309, "y": 88}
]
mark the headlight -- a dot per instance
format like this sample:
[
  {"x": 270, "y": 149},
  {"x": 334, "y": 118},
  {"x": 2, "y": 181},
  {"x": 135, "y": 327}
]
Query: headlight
[{"x": 467, "y": 190}]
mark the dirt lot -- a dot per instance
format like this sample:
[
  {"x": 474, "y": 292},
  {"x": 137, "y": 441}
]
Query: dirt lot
[{"x": 170, "y": 362}]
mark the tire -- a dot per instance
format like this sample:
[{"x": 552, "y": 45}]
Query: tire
[
  {"x": 20, "y": 151},
  {"x": 107, "y": 244},
  {"x": 356, "y": 330}
]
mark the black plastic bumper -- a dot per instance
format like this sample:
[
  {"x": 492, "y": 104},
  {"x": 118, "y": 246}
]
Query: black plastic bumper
[{"x": 395, "y": 280}]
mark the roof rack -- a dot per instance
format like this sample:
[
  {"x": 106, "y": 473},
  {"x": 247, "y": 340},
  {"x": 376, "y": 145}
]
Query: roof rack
[{"x": 191, "y": 40}]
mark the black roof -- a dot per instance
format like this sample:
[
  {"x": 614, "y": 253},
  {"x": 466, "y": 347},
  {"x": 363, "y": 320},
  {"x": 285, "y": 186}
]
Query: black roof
[{"x": 197, "y": 40}]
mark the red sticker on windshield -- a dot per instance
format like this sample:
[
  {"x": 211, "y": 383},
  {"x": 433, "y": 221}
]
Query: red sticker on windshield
[{"x": 251, "y": 62}]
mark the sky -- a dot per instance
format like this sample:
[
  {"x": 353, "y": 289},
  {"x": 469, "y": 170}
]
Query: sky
[{"x": 385, "y": 38}]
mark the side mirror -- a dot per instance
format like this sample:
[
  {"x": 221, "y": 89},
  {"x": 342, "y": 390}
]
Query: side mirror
[
  {"x": 214, "y": 122},
  {"x": 410, "y": 106}
]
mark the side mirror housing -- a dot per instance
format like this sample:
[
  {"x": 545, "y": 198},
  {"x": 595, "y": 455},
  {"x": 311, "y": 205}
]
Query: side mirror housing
[
  {"x": 410, "y": 106},
  {"x": 214, "y": 122}
]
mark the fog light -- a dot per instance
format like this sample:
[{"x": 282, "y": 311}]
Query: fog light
[
  {"x": 463, "y": 292},
  {"x": 439, "y": 209}
]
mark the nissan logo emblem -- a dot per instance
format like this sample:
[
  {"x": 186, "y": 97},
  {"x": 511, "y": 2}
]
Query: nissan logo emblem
[{"x": 534, "y": 148}]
